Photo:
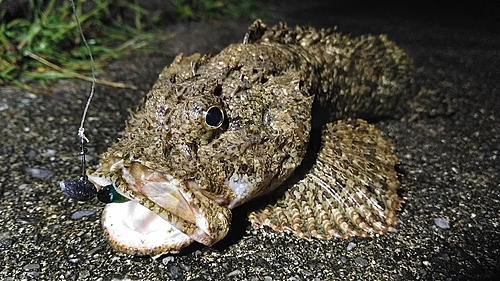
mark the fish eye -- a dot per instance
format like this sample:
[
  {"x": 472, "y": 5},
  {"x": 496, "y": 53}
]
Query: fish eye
[{"x": 214, "y": 117}]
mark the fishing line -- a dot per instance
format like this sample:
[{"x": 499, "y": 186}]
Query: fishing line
[
  {"x": 81, "y": 130},
  {"x": 82, "y": 189}
]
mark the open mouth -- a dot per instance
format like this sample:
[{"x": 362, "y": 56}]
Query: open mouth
[
  {"x": 134, "y": 229},
  {"x": 161, "y": 214}
]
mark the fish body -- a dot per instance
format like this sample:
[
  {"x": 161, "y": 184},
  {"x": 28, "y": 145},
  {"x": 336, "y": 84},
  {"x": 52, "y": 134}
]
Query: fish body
[{"x": 217, "y": 131}]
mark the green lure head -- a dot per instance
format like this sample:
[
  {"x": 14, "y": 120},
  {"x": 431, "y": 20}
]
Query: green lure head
[{"x": 108, "y": 194}]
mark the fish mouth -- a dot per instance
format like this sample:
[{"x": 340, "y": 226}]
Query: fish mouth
[
  {"x": 164, "y": 214},
  {"x": 134, "y": 229}
]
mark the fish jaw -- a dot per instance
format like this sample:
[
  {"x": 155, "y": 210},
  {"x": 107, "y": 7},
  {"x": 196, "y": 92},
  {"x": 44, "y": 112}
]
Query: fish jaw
[
  {"x": 164, "y": 214},
  {"x": 133, "y": 229}
]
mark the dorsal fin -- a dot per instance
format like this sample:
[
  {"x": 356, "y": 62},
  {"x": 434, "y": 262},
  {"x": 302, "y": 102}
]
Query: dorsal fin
[{"x": 255, "y": 32}]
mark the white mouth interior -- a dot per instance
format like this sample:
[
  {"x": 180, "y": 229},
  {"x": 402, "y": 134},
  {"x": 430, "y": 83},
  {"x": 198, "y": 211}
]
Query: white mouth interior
[{"x": 132, "y": 226}]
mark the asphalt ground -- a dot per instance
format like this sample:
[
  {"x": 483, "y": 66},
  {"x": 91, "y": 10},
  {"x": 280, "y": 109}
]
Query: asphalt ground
[{"x": 450, "y": 222}]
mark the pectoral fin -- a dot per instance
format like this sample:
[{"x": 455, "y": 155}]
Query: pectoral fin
[{"x": 349, "y": 191}]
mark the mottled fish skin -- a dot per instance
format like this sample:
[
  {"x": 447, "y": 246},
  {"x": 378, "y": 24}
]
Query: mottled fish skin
[
  {"x": 274, "y": 89},
  {"x": 350, "y": 189}
]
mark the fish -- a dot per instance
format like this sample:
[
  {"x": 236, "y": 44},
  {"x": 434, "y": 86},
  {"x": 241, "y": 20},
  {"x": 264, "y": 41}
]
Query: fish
[{"x": 278, "y": 119}]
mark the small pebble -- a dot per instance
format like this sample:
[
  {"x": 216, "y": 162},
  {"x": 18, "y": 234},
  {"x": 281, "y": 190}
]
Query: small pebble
[
  {"x": 5, "y": 240},
  {"x": 185, "y": 266},
  {"x": 24, "y": 187},
  {"x": 175, "y": 271},
  {"x": 33, "y": 274},
  {"x": 39, "y": 173},
  {"x": 82, "y": 213},
  {"x": 442, "y": 223},
  {"x": 31, "y": 154},
  {"x": 3, "y": 106},
  {"x": 5, "y": 235},
  {"x": 361, "y": 261},
  {"x": 50, "y": 152},
  {"x": 233, "y": 273},
  {"x": 83, "y": 274},
  {"x": 31, "y": 267},
  {"x": 28, "y": 220},
  {"x": 167, "y": 259},
  {"x": 197, "y": 253}
]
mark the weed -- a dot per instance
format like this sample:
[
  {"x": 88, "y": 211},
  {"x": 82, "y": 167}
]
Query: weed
[{"x": 45, "y": 44}]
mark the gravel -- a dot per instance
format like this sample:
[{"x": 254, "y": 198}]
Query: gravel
[{"x": 449, "y": 225}]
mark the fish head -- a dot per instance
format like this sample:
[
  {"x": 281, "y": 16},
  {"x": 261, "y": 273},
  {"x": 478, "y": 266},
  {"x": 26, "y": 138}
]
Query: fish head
[{"x": 212, "y": 134}]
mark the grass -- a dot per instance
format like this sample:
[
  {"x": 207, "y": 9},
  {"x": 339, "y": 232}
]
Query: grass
[{"x": 46, "y": 44}]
